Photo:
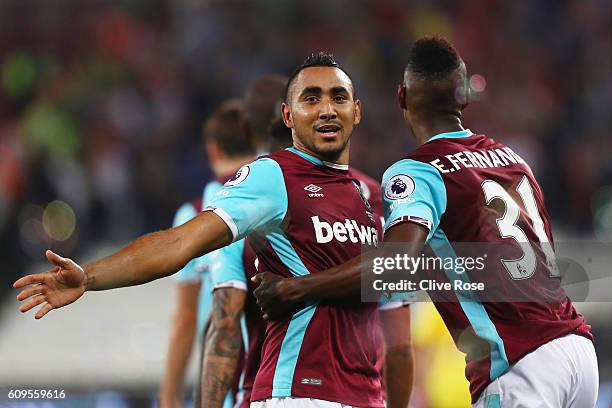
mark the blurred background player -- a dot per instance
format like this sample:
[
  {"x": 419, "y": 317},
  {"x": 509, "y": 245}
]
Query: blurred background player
[
  {"x": 236, "y": 320},
  {"x": 261, "y": 105},
  {"x": 459, "y": 187},
  {"x": 262, "y": 101},
  {"x": 228, "y": 147}
]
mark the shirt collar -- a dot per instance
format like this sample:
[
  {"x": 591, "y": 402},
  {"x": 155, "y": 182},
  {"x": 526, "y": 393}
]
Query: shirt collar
[
  {"x": 317, "y": 161},
  {"x": 453, "y": 135}
]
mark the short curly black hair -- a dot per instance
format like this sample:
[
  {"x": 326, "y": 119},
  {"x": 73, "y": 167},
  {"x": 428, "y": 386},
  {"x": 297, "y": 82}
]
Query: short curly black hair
[
  {"x": 432, "y": 57},
  {"x": 319, "y": 59}
]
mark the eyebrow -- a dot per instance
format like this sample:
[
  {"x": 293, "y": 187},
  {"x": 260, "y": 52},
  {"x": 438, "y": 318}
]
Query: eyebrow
[
  {"x": 317, "y": 90},
  {"x": 310, "y": 90},
  {"x": 340, "y": 89}
]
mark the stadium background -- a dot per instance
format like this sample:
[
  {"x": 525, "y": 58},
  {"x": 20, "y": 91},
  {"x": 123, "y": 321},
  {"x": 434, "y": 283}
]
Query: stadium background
[{"x": 101, "y": 105}]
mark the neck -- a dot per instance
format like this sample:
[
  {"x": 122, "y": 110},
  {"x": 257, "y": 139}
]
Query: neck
[
  {"x": 342, "y": 159},
  {"x": 226, "y": 166},
  {"x": 428, "y": 126}
]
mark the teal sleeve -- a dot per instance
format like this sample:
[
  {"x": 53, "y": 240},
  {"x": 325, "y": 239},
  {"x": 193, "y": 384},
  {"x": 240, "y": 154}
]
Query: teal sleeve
[
  {"x": 255, "y": 199},
  {"x": 191, "y": 271},
  {"x": 227, "y": 267},
  {"x": 413, "y": 191},
  {"x": 210, "y": 190}
]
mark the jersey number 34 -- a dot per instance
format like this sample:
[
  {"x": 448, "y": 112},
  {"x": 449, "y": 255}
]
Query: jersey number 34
[{"x": 525, "y": 266}]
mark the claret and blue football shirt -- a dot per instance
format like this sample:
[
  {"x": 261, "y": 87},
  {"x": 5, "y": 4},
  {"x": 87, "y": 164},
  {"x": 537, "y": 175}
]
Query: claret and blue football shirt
[
  {"x": 468, "y": 188},
  {"x": 303, "y": 215}
]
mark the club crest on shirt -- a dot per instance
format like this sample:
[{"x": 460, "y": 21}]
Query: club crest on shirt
[
  {"x": 361, "y": 188},
  {"x": 365, "y": 190},
  {"x": 400, "y": 186},
  {"x": 239, "y": 177}
]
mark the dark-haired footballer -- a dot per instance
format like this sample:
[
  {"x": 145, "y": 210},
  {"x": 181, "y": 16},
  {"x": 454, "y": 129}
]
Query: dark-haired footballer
[
  {"x": 228, "y": 148},
  {"x": 303, "y": 213},
  {"x": 461, "y": 187},
  {"x": 236, "y": 326}
]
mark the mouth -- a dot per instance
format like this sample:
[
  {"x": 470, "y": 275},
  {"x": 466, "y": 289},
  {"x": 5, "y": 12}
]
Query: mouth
[{"x": 328, "y": 130}]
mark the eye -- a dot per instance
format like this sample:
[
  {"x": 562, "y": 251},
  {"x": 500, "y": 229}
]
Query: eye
[
  {"x": 340, "y": 98},
  {"x": 311, "y": 99}
]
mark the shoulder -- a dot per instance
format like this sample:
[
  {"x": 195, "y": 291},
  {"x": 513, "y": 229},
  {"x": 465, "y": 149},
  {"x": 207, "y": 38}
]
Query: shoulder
[
  {"x": 260, "y": 172},
  {"x": 408, "y": 176},
  {"x": 410, "y": 167},
  {"x": 282, "y": 157},
  {"x": 209, "y": 191}
]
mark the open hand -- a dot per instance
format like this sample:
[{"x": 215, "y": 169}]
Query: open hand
[
  {"x": 60, "y": 286},
  {"x": 277, "y": 297}
]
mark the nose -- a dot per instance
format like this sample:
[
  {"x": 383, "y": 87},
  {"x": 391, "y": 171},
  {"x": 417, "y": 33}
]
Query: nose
[{"x": 327, "y": 111}]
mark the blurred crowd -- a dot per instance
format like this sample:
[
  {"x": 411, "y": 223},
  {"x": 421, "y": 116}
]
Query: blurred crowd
[{"x": 102, "y": 102}]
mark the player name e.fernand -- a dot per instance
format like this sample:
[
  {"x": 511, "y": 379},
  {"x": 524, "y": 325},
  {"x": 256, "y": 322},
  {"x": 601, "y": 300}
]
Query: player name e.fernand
[
  {"x": 406, "y": 285},
  {"x": 486, "y": 158}
]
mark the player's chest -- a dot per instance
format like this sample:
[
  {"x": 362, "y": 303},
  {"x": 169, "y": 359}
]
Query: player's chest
[{"x": 330, "y": 210}]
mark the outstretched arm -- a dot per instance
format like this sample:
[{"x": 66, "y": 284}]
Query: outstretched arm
[
  {"x": 158, "y": 254},
  {"x": 222, "y": 346},
  {"x": 276, "y": 295},
  {"x": 150, "y": 257}
]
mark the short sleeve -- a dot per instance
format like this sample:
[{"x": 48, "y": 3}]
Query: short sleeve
[
  {"x": 227, "y": 267},
  {"x": 191, "y": 271},
  {"x": 255, "y": 199},
  {"x": 413, "y": 192}
]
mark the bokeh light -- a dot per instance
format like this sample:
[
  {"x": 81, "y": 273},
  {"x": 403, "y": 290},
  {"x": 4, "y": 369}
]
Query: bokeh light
[
  {"x": 58, "y": 220},
  {"x": 603, "y": 223},
  {"x": 18, "y": 74},
  {"x": 478, "y": 83},
  {"x": 32, "y": 236},
  {"x": 50, "y": 129},
  {"x": 602, "y": 211}
]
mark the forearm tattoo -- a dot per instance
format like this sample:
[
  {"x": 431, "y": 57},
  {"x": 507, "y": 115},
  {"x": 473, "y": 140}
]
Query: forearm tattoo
[{"x": 222, "y": 348}]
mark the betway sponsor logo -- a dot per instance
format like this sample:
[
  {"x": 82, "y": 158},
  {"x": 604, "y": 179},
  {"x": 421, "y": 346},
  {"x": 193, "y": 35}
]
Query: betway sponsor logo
[{"x": 344, "y": 231}]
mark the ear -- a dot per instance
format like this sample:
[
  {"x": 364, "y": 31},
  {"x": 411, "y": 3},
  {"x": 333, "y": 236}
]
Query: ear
[
  {"x": 401, "y": 96},
  {"x": 214, "y": 151},
  {"x": 357, "y": 118},
  {"x": 468, "y": 95},
  {"x": 286, "y": 115}
]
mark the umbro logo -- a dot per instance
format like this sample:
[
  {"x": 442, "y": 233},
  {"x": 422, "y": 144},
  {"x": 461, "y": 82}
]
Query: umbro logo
[
  {"x": 314, "y": 191},
  {"x": 312, "y": 381},
  {"x": 312, "y": 188}
]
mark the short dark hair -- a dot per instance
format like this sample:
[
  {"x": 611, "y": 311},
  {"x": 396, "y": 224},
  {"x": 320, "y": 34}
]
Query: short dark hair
[
  {"x": 280, "y": 135},
  {"x": 432, "y": 57},
  {"x": 226, "y": 127},
  {"x": 319, "y": 59},
  {"x": 262, "y": 101}
]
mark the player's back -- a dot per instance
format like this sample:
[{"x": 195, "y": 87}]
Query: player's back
[{"x": 478, "y": 196}]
